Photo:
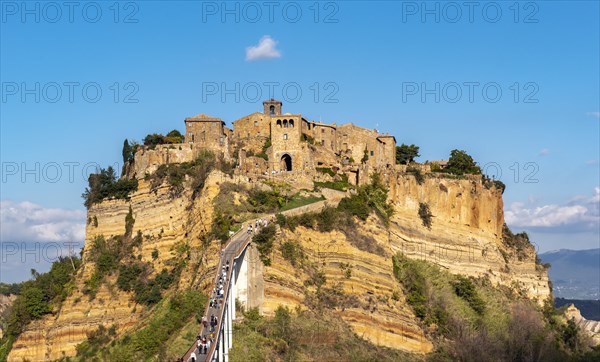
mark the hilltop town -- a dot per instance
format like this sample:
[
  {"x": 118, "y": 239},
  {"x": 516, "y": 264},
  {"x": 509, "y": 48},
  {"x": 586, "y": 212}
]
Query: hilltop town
[
  {"x": 271, "y": 142},
  {"x": 386, "y": 258}
]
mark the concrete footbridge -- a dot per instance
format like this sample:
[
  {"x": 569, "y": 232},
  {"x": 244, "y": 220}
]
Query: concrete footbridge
[
  {"x": 233, "y": 255},
  {"x": 244, "y": 281}
]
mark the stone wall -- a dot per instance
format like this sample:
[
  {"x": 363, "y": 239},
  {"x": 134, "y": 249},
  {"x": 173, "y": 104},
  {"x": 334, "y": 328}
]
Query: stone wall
[
  {"x": 147, "y": 160},
  {"x": 251, "y": 132}
]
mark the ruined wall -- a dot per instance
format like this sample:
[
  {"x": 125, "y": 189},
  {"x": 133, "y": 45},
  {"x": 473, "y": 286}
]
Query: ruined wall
[
  {"x": 146, "y": 160},
  {"x": 253, "y": 165}
]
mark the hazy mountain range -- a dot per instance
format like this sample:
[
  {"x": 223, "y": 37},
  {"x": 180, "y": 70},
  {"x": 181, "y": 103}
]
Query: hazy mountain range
[{"x": 575, "y": 274}]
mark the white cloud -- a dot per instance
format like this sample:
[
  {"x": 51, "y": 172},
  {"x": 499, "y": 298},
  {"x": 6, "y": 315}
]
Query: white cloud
[
  {"x": 26, "y": 221},
  {"x": 579, "y": 214},
  {"x": 264, "y": 50},
  {"x": 592, "y": 162},
  {"x": 593, "y": 114},
  {"x": 544, "y": 152}
]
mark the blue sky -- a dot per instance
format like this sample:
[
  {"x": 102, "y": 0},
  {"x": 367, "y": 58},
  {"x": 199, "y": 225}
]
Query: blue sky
[{"x": 369, "y": 61}]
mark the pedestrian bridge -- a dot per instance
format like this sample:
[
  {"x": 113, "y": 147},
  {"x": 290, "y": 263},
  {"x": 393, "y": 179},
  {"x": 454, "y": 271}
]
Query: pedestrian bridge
[{"x": 243, "y": 282}]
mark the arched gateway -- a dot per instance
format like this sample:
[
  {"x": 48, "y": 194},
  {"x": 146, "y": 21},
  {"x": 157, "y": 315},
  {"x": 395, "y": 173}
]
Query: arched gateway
[{"x": 286, "y": 163}]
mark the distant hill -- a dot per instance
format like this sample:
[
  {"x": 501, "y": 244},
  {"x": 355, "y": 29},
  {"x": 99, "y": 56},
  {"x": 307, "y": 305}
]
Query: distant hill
[
  {"x": 590, "y": 309},
  {"x": 575, "y": 274}
]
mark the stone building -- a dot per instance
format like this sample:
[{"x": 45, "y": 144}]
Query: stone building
[
  {"x": 207, "y": 132},
  {"x": 367, "y": 146},
  {"x": 273, "y": 141},
  {"x": 324, "y": 135}
]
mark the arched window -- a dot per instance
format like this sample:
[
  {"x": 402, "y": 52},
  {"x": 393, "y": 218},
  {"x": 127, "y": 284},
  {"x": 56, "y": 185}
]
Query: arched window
[
  {"x": 285, "y": 123},
  {"x": 291, "y": 123},
  {"x": 279, "y": 123},
  {"x": 272, "y": 110}
]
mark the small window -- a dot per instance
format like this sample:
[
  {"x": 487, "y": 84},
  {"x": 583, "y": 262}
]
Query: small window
[
  {"x": 322, "y": 130},
  {"x": 322, "y": 142},
  {"x": 285, "y": 136},
  {"x": 371, "y": 153},
  {"x": 332, "y": 131},
  {"x": 255, "y": 123}
]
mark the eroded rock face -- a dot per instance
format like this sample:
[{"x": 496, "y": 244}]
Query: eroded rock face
[
  {"x": 465, "y": 235},
  {"x": 465, "y": 238},
  {"x": 590, "y": 327},
  {"x": 374, "y": 314},
  {"x": 167, "y": 221}
]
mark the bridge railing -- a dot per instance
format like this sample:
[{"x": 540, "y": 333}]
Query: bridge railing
[
  {"x": 207, "y": 310},
  {"x": 211, "y": 353}
]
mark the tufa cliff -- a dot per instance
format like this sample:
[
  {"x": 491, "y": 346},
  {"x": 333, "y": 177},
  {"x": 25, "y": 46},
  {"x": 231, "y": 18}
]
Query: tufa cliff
[{"x": 157, "y": 233}]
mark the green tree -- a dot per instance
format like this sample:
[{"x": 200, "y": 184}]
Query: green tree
[
  {"x": 104, "y": 184},
  {"x": 127, "y": 152},
  {"x": 174, "y": 137},
  {"x": 406, "y": 154},
  {"x": 461, "y": 163},
  {"x": 282, "y": 321},
  {"x": 264, "y": 242},
  {"x": 154, "y": 139},
  {"x": 425, "y": 214}
]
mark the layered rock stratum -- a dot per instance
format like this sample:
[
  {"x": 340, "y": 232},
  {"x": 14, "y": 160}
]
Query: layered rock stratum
[{"x": 465, "y": 238}]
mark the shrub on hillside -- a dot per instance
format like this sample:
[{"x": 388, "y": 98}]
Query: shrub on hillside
[
  {"x": 104, "y": 185},
  {"x": 425, "y": 214},
  {"x": 264, "y": 242}
]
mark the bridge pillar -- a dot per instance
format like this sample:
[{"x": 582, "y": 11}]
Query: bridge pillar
[
  {"x": 231, "y": 314},
  {"x": 225, "y": 332},
  {"x": 233, "y": 288}
]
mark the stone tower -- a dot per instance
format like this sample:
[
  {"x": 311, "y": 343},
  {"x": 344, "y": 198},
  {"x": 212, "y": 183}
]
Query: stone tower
[{"x": 272, "y": 107}]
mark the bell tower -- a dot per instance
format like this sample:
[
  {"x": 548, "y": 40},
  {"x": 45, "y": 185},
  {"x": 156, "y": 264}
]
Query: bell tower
[{"x": 272, "y": 107}]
